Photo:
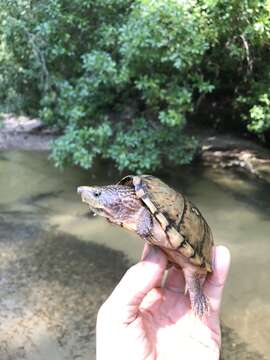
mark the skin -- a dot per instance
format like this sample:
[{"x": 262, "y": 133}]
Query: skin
[
  {"x": 117, "y": 203},
  {"x": 142, "y": 320},
  {"x": 120, "y": 205}
]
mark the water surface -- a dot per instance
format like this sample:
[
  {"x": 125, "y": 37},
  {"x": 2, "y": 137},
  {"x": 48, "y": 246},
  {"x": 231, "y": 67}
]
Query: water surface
[{"x": 51, "y": 229}]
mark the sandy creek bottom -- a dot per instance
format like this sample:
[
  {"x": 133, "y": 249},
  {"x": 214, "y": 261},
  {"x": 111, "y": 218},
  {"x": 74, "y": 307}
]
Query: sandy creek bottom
[{"x": 58, "y": 264}]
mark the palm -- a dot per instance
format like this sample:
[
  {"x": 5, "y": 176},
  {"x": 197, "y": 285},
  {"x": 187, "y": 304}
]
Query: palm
[
  {"x": 143, "y": 321},
  {"x": 165, "y": 322}
]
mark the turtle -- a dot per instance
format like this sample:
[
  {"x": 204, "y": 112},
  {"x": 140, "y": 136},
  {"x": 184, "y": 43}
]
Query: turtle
[{"x": 162, "y": 217}]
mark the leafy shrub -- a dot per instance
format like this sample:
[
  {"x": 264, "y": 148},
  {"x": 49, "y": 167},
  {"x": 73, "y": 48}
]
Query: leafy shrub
[
  {"x": 238, "y": 62},
  {"x": 260, "y": 115},
  {"x": 121, "y": 78},
  {"x": 143, "y": 147},
  {"x": 73, "y": 147},
  {"x": 162, "y": 45}
]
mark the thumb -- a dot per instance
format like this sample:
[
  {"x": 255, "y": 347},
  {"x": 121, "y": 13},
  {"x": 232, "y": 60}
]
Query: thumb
[
  {"x": 215, "y": 282},
  {"x": 124, "y": 302}
]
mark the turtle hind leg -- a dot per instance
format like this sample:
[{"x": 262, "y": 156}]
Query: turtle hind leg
[
  {"x": 194, "y": 287},
  {"x": 200, "y": 304}
]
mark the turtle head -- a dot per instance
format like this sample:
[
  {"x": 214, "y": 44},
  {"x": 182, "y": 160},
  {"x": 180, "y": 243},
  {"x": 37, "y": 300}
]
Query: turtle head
[{"x": 109, "y": 201}]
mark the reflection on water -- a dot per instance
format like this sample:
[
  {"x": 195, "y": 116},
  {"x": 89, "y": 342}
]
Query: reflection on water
[{"x": 236, "y": 207}]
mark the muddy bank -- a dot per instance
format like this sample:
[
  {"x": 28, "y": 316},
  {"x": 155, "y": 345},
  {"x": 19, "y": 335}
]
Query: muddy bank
[
  {"x": 23, "y": 133},
  {"x": 229, "y": 151}
]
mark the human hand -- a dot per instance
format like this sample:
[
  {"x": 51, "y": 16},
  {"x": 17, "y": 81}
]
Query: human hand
[{"x": 142, "y": 320}]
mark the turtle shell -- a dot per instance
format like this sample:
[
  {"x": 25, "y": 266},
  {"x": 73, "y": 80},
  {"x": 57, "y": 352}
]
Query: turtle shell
[{"x": 186, "y": 229}]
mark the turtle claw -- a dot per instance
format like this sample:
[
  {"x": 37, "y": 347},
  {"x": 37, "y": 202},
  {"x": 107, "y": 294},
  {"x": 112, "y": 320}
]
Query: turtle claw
[{"x": 200, "y": 305}]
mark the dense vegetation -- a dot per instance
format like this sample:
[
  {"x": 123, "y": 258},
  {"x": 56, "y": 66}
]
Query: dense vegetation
[{"x": 121, "y": 78}]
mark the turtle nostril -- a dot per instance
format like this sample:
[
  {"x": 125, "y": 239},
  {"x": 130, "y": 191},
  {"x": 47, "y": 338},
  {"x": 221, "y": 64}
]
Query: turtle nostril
[{"x": 97, "y": 193}]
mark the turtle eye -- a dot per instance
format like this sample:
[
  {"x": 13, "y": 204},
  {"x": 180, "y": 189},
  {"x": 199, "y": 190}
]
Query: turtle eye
[{"x": 97, "y": 193}]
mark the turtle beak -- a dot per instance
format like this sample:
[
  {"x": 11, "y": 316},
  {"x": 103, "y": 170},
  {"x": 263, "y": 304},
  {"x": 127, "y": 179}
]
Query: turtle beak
[
  {"x": 86, "y": 193},
  {"x": 91, "y": 196},
  {"x": 81, "y": 189}
]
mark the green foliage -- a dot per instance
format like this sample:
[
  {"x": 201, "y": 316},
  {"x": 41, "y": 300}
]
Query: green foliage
[
  {"x": 121, "y": 78},
  {"x": 142, "y": 147},
  {"x": 260, "y": 115},
  {"x": 161, "y": 47},
  {"x": 73, "y": 146},
  {"x": 138, "y": 147},
  {"x": 238, "y": 64}
]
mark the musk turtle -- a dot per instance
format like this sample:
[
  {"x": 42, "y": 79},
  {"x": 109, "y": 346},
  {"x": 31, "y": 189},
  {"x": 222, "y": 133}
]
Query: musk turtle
[{"x": 162, "y": 217}]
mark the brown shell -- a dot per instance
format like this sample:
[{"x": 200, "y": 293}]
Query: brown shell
[{"x": 187, "y": 230}]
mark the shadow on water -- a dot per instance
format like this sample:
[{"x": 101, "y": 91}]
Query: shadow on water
[
  {"x": 40, "y": 197},
  {"x": 52, "y": 279},
  {"x": 3, "y": 157}
]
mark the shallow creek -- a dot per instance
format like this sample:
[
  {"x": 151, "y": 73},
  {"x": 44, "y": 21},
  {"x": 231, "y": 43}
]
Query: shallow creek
[{"x": 58, "y": 263}]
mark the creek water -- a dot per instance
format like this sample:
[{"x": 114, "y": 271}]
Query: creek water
[{"x": 54, "y": 254}]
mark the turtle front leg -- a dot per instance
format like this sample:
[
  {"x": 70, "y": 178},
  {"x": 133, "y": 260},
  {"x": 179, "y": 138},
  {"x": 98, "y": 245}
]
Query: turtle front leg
[
  {"x": 194, "y": 286},
  {"x": 144, "y": 224}
]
